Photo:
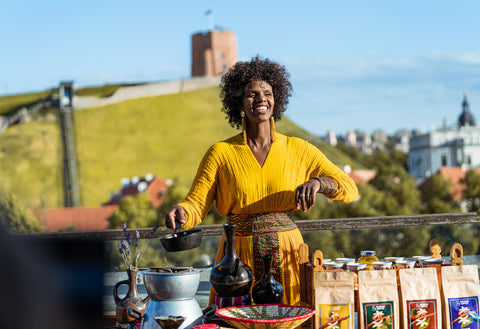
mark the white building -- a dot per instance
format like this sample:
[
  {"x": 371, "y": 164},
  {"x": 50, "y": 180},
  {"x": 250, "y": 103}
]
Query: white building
[
  {"x": 331, "y": 138},
  {"x": 351, "y": 139},
  {"x": 454, "y": 146},
  {"x": 402, "y": 141}
]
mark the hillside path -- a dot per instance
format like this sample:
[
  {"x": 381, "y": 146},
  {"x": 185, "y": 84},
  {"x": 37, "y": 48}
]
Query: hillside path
[{"x": 147, "y": 90}]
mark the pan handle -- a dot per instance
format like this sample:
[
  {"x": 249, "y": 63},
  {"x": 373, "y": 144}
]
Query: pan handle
[{"x": 178, "y": 227}]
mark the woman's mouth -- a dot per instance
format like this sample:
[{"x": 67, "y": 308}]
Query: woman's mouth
[{"x": 262, "y": 109}]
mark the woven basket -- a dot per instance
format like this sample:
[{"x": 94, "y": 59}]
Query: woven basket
[{"x": 267, "y": 316}]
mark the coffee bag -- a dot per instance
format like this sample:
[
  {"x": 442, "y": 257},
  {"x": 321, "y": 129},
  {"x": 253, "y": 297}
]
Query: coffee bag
[
  {"x": 420, "y": 299},
  {"x": 461, "y": 294},
  {"x": 334, "y": 300},
  {"x": 378, "y": 299}
]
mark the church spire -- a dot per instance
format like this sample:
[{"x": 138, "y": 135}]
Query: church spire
[{"x": 466, "y": 118}]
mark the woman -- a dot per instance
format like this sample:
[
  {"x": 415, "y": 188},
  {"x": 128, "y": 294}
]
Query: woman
[{"x": 259, "y": 177}]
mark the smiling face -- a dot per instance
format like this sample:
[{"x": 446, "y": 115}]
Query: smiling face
[{"x": 258, "y": 101}]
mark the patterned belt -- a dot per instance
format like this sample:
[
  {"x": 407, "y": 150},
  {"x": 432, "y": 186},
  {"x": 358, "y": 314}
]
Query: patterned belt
[
  {"x": 264, "y": 228},
  {"x": 262, "y": 222}
]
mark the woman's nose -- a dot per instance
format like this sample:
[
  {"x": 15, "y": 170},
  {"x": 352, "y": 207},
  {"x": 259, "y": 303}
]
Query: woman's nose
[{"x": 260, "y": 97}]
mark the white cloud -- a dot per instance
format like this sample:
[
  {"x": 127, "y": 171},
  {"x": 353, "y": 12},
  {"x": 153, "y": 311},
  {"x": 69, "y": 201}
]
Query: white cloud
[{"x": 455, "y": 56}]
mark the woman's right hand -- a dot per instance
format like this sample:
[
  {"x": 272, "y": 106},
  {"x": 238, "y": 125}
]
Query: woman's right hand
[{"x": 175, "y": 216}]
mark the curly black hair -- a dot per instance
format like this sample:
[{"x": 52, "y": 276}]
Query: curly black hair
[{"x": 233, "y": 85}]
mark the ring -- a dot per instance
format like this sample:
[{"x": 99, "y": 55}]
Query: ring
[{"x": 302, "y": 195}]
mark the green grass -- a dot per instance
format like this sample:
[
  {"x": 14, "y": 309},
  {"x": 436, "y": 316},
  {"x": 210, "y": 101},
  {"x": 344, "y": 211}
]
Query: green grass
[
  {"x": 102, "y": 91},
  {"x": 164, "y": 135},
  {"x": 31, "y": 163},
  {"x": 10, "y": 103}
]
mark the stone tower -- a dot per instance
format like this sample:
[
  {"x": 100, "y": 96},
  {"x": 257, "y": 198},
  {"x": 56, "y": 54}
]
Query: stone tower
[{"x": 213, "y": 52}]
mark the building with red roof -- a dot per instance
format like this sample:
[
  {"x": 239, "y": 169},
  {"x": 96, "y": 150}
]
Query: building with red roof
[
  {"x": 455, "y": 175},
  {"x": 97, "y": 218}
]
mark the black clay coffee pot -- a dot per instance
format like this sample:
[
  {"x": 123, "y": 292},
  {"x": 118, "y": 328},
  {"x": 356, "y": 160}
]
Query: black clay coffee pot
[
  {"x": 267, "y": 290},
  {"x": 231, "y": 277}
]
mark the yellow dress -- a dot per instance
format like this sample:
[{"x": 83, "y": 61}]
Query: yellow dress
[{"x": 230, "y": 175}]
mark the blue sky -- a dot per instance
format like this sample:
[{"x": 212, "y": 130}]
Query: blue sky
[{"x": 363, "y": 65}]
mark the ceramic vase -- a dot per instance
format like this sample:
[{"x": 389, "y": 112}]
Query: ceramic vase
[{"x": 132, "y": 303}]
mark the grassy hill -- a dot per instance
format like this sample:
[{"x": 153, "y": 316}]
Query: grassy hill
[
  {"x": 164, "y": 135},
  {"x": 9, "y": 104}
]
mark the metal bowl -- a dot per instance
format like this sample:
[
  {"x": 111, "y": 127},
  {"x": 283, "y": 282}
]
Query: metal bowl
[{"x": 171, "y": 286}]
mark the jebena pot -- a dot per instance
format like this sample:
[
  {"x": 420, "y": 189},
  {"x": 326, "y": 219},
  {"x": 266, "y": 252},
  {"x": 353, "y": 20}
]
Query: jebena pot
[
  {"x": 231, "y": 277},
  {"x": 267, "y": 290}
]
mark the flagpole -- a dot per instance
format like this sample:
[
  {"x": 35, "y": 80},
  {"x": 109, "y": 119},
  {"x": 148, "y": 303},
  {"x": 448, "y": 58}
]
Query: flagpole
[{"x": 209, "y": 13}]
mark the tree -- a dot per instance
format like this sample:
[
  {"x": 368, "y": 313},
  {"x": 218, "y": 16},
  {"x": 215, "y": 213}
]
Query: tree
[
  {"x": 471, "y": 194},
  {"x": 15, "y": 218},
  {"x": 436, "y": 196},
  {"x": 401, "y": 192},
  {"x": 137, "y": 211}
]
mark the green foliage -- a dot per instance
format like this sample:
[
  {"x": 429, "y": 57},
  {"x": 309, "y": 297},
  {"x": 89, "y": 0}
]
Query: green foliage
[
  {"x": 471, "y": 194},
  {"x": 437, "y": 197},
  {"x": 176, "y": 193},
  {"x": 137, "y": 211},
  {"x": 14, "y": 217},
  {"x": 402, "y": 196},
  {"x": 407, "y": 242},
  {"x": 371, "y": 202},
  {"x": 388, "y": 158},
  {"x": 354, "y": 153},
  {"x": 465, "y": 234}
]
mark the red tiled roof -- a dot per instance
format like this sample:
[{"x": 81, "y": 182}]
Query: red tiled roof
[
  {"x": 78, "y": 219},
  {"x": 97, "y": 218},
  {"x": 156, "y": 188},
  {"x": 362, "y": 176},
  {"x": 455, "y": 175}
]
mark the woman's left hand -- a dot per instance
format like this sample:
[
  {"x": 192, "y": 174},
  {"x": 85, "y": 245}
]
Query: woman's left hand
[{"x": 305, "y": 194}]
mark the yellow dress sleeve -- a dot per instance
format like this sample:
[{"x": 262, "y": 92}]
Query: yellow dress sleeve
[
  {"x": 202, "y": 192},
  {"x": 321, "y": 166}
]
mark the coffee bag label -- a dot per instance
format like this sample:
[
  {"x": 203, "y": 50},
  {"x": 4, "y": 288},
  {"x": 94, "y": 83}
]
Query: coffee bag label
[
  {"x": 422, "y": 314},
  {"x": 334, "y": 316},
  {"x": 464, "y": 312},
  {"x": 378, "y": 315}
]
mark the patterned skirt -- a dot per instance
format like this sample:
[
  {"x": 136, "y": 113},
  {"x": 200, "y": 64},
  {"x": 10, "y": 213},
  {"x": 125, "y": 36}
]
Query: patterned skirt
[{"x": 269, "y": 232}]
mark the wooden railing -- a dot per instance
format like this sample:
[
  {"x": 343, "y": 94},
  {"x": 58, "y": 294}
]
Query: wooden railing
[{"x": 303, "y": 225}]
